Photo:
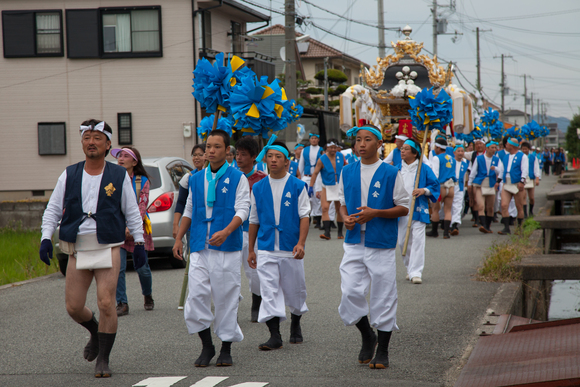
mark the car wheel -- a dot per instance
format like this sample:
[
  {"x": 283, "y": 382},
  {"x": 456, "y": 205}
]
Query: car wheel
[
  {"x": 62, "y": 262},
  {"x": 177, "y": 263}
]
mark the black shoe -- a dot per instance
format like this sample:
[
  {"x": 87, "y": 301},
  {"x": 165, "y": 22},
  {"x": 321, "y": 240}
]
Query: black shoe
[
  {"x": 506, "y": 227},
  {"x": 225, "y": 357},
  {"x": 106, "y": 341},
  {"x": 275, "y": 341},
  {"x": 208, "y": 349},
  {"x": 454, "y": 230},
  {"x": 433, "y": 233},
  {"x": 446, "y": 225},
  {"x": 91, "y": 350},
  {"x": 295, "y": 330},
  {"x": 149, "y": 304},
  {"x": 381, "y": 359},
  {"x": 369, "y": 341},
  {"x": 256, "y": 301},
  {"x": 122, "y": 309}
]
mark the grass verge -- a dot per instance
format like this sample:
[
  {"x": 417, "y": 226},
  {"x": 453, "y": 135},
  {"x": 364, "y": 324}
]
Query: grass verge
[
  {"x": 19, "y": 260},
  {"x": 498, "y": 265}
]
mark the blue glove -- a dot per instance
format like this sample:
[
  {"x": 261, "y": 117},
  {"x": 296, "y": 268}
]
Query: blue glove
[
  {"x": 310, "y": 192},
  {"x": 46, "y": 251},
  {"x": 139, "y": 257}
]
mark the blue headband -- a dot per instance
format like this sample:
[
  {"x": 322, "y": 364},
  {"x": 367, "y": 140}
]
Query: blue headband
[
  {"x": 314, "y": 135},
  {"x": 491, "y": 143},
  {"x": 269, "y": 146},
  {"x": 458, "y": 146},
  {"x": 352, "y": 132},
  {"x": 513, "y": 142},
  {"x": 298, "y": 146},
  {"x": 413, "y": 145}
]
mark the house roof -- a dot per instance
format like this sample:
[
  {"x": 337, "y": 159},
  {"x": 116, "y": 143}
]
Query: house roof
[
  {"x": 251, "y": 14},
  {"x": 514, "y": 112},
  {"x": 316, "y": 49}
]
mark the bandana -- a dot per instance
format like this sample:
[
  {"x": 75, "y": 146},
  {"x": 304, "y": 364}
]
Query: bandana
[
  {"x": 444, "y": 147},
  {"x": 116, "y": 152},
  {"x": 458, "y": 146},
  {"x": 513, "y": 142},
  {"x": 352, "y": 132},
  {"x": 331, "y": 144},
  {"x": 314, "y": 135},
  {"x": 298, "y": 146},
  {"x": 100, "y": 127},
  {"x": 413, "y": 145},
  {"x": 491, "y": 143},
  {"x": 273, "y": 147},
  {"x": 401, "y": 137}
]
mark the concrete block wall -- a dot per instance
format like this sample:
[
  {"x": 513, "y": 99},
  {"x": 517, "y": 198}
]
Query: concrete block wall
[{"x": 26, "y": 214}]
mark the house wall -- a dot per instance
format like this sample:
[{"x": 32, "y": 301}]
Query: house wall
[
  {"x": 269, "y": 45},
  {"x": 157, "y": 91}
]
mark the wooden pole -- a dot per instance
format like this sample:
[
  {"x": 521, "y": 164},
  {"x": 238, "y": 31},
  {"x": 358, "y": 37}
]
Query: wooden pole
[{"x": 412, "y": 206}]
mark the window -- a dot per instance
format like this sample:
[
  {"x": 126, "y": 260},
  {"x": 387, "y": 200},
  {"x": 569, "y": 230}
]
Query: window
[
  {"x": 134, "y": 31},
  {"x": 177, "y": 170},
  {"x": 124, "y": 124},
  {"x": 206, "y": 29},
  {"x": 32, "y": 33},
  {"x": 51, "y": 138}
]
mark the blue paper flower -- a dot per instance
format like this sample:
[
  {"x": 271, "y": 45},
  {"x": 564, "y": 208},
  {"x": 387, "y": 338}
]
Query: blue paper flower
[
  {"x": 491, "y": 124},
  {"x": 213, "y": 83},
  {"x": 428, "y": 110},
  {"x": 206, "y": 125}
]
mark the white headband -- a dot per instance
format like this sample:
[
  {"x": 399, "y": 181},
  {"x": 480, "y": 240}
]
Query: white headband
[
  {"x": 444, "y": 147},
  {"x": 331, "y": 144},
  {"x": 99, "y": 127}
]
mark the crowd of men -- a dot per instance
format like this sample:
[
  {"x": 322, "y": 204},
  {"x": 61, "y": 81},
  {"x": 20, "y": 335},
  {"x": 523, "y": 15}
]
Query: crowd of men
[{"x": 253, "y": 208}]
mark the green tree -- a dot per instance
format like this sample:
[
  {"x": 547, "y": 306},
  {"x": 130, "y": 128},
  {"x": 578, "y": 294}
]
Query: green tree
[{"x": 572, "y": 140}]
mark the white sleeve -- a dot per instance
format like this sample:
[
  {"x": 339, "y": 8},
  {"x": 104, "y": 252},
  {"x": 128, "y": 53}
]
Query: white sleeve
[
  {"x": 130, "y": 209},
  {"x": 473, "y": 173},
  {"x": 188, "y": 205},
  {"x": 184, "y": 182},
  {"x": 53, "y": 212},
  {"x": 499, "y": 170},
  {"x": 427, "y": 162},
  {"x": 341, "y": 191},
  {"x": 242, "y": 205},
  {"x": 253, "y": 210},
  {"x": 318, "y": 183},
  {"x": 301, "y": 164},
  {"x": 389, "y": 158},
  {"x": 400, "y": 194},
  {"x": 435, "y": 166},
  {"x": 525, "y": 167},
  {"x": 304, "y": 204},
  {"x": 537, "y": 171}
]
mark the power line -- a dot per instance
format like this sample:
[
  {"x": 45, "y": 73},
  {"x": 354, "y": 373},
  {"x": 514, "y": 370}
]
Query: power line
[
  {"x": 348, "y": 19},
  {"x": 341, "y": 36}
]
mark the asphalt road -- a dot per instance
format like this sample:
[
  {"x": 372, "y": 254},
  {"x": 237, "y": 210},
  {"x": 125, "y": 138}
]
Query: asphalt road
[{"x": 41, "y": 346}]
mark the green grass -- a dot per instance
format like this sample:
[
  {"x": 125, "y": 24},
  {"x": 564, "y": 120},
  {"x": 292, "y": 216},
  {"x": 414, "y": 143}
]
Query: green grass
[
  {"x": 498, "y": 265},
  {"x": 19, "y": 258}
]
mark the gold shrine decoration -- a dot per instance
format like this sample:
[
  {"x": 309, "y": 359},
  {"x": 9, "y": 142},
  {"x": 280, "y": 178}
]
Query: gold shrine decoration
[{"x": 437, "y": 74}]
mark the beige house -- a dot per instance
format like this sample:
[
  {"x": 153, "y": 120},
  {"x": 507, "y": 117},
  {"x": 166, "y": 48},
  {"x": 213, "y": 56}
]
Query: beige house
[{"x": 128, "y": 62}]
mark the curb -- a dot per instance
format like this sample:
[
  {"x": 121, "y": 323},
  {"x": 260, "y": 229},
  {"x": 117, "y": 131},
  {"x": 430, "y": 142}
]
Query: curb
[{"x": 15, "y": 284}]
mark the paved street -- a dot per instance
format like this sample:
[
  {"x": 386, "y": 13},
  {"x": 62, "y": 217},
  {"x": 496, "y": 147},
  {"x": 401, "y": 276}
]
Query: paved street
[{"x": 41, "y": 346}]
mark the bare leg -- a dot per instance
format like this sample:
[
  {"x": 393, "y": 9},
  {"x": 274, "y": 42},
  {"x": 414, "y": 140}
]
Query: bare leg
[
  {"x": 479, "y": 201},
  {"x": 325, "y": 205},
  {"x": 106, "y": 287},
  {"x": 77, "y": 285}
]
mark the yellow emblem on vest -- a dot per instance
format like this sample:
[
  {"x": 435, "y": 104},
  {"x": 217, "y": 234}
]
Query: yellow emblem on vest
[
  {"x": 448, "y": 165},
  {"x": 109, "y": 189}
]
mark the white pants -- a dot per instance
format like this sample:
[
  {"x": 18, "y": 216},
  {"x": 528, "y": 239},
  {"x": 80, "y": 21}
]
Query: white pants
[
  {"x": 214, "y": 274},
  {"x": 512, "y": 208},
  {"x": 458, "y": 204},
  {"x": 316, "y": 208},
  {"x": 415, "y": 259},
  {"x": 282, "y": 284},
  {"x": 363, "y": 268},
  {"x": 251, "y": 274}
]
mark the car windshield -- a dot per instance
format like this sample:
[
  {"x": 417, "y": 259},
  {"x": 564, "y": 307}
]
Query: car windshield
[{"x": 154, "y": 176}]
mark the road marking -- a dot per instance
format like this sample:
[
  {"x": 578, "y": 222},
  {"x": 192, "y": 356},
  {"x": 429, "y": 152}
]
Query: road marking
[
  {"x": 210, "y": 381},
  {"x": 164, "y": 381}
]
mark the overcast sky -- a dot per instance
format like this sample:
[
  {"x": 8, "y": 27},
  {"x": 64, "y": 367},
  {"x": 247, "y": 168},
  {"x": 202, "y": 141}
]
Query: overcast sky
[{"x": 543, "y": 37}]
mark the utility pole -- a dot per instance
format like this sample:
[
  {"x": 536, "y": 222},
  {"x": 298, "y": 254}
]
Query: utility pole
[
  {"x": 502, "y": 84},
  {"x": 434, "y": 11},
  {"x": 381, "y": 29},
  {"x": 525, "y": 100},
  {"x": 532, "y": 104},
  {"x": 326, "y": 83},
  {"x": 478, "y": 84},
  {"x": 290, "y": 76}
]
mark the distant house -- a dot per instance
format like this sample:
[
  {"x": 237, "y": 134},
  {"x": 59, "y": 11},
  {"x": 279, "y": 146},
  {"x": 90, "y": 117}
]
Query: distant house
[
  {"x": 516, "y": 117},
  {"x": 127, "y": 62},
  {"x": 555, "y": 138},
  {"x": 311, "y": 54}
]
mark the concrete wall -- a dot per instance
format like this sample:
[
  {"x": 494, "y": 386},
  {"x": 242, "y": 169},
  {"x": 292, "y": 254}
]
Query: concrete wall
[
  {"x": 157, "y": 91},
  {"x": 25, "y": 214}
]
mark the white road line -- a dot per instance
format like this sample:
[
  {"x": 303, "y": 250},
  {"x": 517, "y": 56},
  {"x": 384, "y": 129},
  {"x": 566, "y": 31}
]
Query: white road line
[
  {"x": 164, "y": 381},
  {"x": 209, "y": 381}
]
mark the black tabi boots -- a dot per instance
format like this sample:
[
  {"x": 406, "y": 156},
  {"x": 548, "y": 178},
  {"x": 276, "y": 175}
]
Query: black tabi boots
[
  {"x": 225, "y": 357},
  {"x": 340, "y": 224},
  {"x": 369, "y": 341},
  {"x": 525, "y": 212},
  {"x": 295, "y": 330},
  {"x": 256, "y": 301},
  {"x": 520, "y": 221},
  {"x": 208, "y": 349},
  {"x": 454, "y": 229},
  {"x": 477, "y": 220},
  {"x": 485, "y": 224},
  {"x": 92, "y": 348},
  {"x": 446, "y": 226},
  {"x": 506, "y": 226},
  {"x": 381, "y": 359},
  {"x": 531, "y": 213},
  {"x": 106, "y": 341},
  {"x": 275, "y": 341},
  {"x": 326, "y": 234},
  {"x": 488, "y": 224},
  {"x": 512, "y": 221},
  {"x": 433, "y": 233}
]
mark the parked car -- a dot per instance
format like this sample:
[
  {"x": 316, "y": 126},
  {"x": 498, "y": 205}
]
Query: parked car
[{"x": 164, "y": 176}]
